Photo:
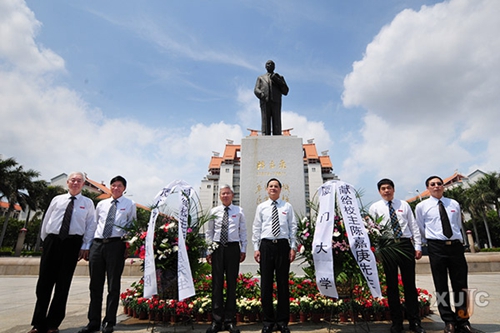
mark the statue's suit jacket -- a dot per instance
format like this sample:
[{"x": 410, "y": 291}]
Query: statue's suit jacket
[{"x": 267, "y": 89}]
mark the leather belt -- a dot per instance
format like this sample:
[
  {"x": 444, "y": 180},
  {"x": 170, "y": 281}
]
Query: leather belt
[
  {"x": 107, "y": 240},
  {"x": 446, "y": 242},
  {"x": 275, "y": 241}
]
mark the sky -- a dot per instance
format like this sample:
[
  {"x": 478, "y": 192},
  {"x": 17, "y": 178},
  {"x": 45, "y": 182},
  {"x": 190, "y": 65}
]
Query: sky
[{"x": 150, "y": 89}]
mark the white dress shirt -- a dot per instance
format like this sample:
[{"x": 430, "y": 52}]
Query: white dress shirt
[
  {"x": 429, "y": 220},
  {"x": 82, "y": 219},
  {"x": 262, "y": 224},
  {"x": 237, "y": 229},
  {"x": 406, "y": 220},
  {"x": 126, "y": 212}
]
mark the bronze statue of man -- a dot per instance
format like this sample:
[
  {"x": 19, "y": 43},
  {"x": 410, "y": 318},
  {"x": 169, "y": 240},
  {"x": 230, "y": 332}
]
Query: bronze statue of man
[{"x": 269, "y": 88}]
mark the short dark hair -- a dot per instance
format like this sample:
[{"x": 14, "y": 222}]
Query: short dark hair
[
  {"x": 273, "y": 179},
  {"x": 385, "y": 181},
  {"x": 118, "y": 179},
  {"x": 432, "y": 177}
]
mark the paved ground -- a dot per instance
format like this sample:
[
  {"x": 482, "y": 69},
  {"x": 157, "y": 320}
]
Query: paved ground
[{"x": 17, "y": 295}]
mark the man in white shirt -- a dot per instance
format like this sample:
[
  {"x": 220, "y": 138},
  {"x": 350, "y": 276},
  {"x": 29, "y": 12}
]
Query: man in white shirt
[
  {"x": 406, "y": 233},
  {"x": 67, "y": 231},
  {"x": 274, "y": 249},
  {"x": 107, "y": 255},
  {"x": 440, "y": 220},
  {"x": 227, "y": 233}
]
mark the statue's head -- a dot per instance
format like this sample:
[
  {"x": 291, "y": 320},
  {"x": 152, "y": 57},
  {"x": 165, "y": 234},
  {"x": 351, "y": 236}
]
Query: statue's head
[{"x": 270, "y": 66}]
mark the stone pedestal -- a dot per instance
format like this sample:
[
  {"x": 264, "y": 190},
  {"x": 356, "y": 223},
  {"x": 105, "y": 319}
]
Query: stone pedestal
[{"x": 266, "y": 157}]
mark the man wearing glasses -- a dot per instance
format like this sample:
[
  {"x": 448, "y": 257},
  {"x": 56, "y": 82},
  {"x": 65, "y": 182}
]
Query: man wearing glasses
[
  {"x": 67, "y": 232},
  {"x": 440, "y": 221}
]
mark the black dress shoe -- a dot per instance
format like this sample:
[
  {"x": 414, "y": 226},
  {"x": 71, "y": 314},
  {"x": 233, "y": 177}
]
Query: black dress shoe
[
  {"x": 449, "y": 328},
  {"x": 466, "y": 328},
  {"x": 107, "y": 328},
  {"x": 88, "y": 329},
  {"x": 214, "y": 327},
  {"x": 396, "y": 328},
  {"x": 284, "y": 329},
  {"x": 231, "y": 327},
  {"x": 417, "y": 328},
  {"x": 267, "y": 329}
]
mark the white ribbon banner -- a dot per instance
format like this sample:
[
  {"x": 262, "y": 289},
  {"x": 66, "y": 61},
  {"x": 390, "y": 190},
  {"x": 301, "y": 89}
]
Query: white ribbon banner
[
  {"x": 150, "y": 285},
  {"x": 358, "y": 237},
  {"x": 184, "y": 276},
  {"x": 322, "y": 241}
]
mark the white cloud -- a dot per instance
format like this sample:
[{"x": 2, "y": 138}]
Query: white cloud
[
  {"x": 429, "y": 81},
  {"x": 18, "y": 28}
]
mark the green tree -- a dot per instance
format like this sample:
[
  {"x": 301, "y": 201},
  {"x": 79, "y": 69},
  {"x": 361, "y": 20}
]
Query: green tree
[
  {"x": 5, "y": 168},
  {"x": 465, "y": 198},
  {"x": 15, "y": 188},
  {"x": 490, "y": 185},
  {"x": 36, "y": 191}
]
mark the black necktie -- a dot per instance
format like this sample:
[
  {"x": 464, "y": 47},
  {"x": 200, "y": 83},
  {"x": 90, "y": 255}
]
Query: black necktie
[
  {"x": 64, "y": 231},
  {"x": 276, "y": 220},
  {"x": 224, "y": 229},
  {"x": 110, "y": 220},
  {"x": 396, "y": 228},
  {"x": 445, "y": 221}
]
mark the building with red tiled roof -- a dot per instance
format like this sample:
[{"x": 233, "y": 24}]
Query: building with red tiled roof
[{"x": 4, "y": 207}]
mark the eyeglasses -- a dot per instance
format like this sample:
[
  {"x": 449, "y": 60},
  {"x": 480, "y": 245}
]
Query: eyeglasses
[{"x": 435, "y": 184}]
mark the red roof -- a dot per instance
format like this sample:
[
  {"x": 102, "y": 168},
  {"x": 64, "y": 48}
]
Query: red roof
[
  {"x": 455, "y": 178},
  {"x": 5, "y": 205}
]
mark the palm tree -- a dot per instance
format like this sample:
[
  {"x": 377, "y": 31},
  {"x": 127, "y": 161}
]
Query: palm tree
[
  {"x": 5, "y": 167},
  {"x": 479, "y": 206},
  {"x": 490, "y": 184},
  {"x": 462, "y": 196},
  {"x": 36, "y": 191},
  {"x": 16, "y": 183}
]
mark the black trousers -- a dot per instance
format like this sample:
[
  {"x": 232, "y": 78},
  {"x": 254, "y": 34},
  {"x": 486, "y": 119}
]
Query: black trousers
[
  {"x": 106, "y": 260},
  {"x": 275, "y": 259},
  {"x": 271, "y": 113},
  {"x": 57, "y": 266},
  {"x": 225, "y": 264},
  {"x": 405, "y": 261},
  {"x": 449, "y": 260}
]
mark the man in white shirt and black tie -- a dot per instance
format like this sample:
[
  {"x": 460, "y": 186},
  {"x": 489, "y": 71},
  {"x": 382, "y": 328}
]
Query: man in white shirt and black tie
[
  {"x": 274, "y": 242},
  {"x": 397, "y": 217},
  {"x": 107, "y": 255},
  {"x": 67, "y": 231},
  {"x": 440, "y": 220},
  {"x": 227, "y": 233}
]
